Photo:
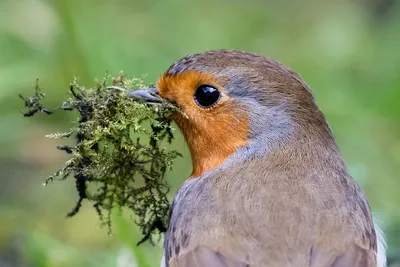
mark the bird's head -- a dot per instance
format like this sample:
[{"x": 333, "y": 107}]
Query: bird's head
[{"x": 238, "y": 101}]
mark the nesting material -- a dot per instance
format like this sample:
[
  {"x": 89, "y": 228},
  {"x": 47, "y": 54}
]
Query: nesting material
[{"x": 118, "y": 158}]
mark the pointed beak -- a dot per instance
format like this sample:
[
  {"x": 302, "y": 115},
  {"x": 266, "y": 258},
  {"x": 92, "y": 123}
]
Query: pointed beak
[{"x": 148, "y": 95}]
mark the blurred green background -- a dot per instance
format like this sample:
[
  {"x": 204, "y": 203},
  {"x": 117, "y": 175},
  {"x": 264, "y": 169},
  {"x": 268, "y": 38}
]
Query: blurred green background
[{"x": 347, "y": 51}]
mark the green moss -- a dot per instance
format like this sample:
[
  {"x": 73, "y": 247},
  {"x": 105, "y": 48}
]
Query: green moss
[{"x": 126, "y": 171}]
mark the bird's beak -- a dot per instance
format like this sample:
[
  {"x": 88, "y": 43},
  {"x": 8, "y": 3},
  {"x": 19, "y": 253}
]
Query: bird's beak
[{"x": 148, "y": 95}]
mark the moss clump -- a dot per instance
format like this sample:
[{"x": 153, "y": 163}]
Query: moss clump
[{"x": 109, "y": 153}]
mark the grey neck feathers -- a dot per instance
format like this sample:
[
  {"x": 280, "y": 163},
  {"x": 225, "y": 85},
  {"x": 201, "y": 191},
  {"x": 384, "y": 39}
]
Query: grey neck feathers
[{"x": 274, "y": 129}]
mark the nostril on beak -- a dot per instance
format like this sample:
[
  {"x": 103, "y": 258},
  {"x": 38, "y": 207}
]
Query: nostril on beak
[{"x": 153, "y": 90}]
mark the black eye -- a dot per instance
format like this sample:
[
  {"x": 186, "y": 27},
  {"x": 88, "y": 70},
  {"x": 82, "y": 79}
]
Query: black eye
[{"x": 206, "y": 96}]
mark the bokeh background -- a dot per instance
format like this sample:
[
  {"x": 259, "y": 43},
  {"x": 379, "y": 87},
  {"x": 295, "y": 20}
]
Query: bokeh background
[{"x": 347, "y": 51}]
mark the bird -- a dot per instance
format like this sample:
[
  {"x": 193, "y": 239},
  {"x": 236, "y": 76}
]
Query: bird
[{"x": 269, "y": 186}]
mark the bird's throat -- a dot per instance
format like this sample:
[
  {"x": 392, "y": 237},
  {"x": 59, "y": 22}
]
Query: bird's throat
[
  {"x": 205, "y": 160},
  {"x": 211, "y": 142}
]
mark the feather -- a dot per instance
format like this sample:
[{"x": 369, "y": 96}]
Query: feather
[
  {"x": 352, "y": 257},
  {"x": 204, "y": 257}
]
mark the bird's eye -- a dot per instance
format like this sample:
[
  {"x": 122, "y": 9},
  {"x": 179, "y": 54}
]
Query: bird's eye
[{"x": 206, "y": 96}]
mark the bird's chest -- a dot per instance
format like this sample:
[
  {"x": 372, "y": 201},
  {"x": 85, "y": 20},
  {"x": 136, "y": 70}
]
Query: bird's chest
[
  {"x": 240, "y": 216},
  {"x": 200, "y": 218}
]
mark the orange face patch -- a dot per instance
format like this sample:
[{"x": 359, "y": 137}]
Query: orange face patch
[{"x": 212, "y": 134}]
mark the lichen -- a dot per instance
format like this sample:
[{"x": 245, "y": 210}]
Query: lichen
[{"x": 109, "y": 151}]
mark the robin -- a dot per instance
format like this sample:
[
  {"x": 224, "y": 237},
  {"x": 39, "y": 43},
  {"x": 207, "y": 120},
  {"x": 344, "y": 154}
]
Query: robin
[{"x": 269, "y": 186}]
